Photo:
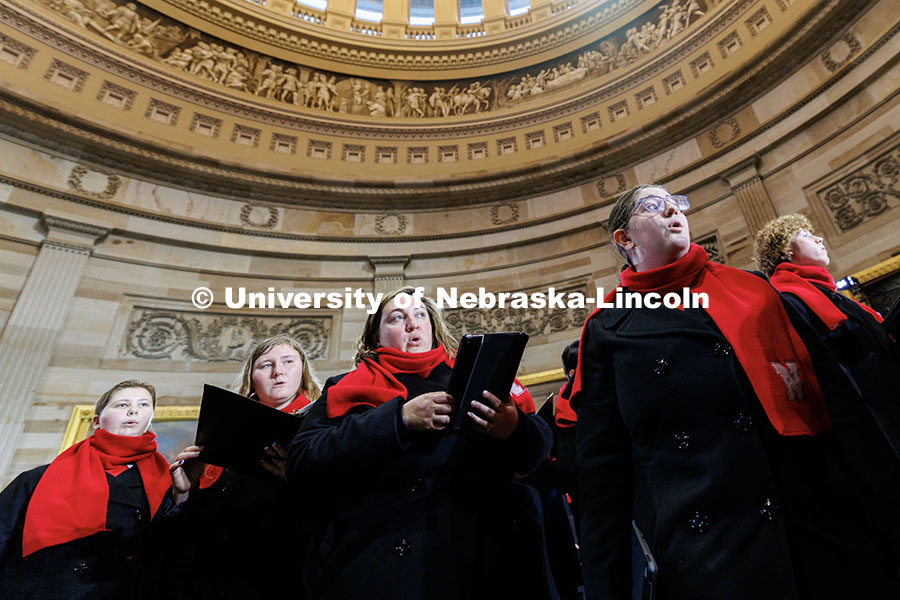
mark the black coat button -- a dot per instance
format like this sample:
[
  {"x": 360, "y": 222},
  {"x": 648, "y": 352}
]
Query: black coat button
[
  {"x": 81, "y": 568},
  {"x": 416, "y": 485},
  {"x": 699, "y": 523},
  {"x": 743, "y": 423},
  {"x": 722, "y": 349},
  {"x": 662, "y": 366},
  {"x": 402, "y": 549},
  {"x": 682, "y": 441},
  {"x": 769, "y": 510},
  {"x": 138, "y": 514}
]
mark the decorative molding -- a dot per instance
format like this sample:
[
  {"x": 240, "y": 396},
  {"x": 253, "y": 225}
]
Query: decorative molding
[
  {"x": 734, "y": 132},
  {"x": 864, "y": 192},
  {"x": 845, "y": 48},
  {"x": 154, "y": 334},
  {"x": 391, "y": 224},
  {"x": 65, "y": 75},
  {"x": 533, "y": 321},
  {"x": 15, "y": 52},
  {"x": 263, "y": 217},
  {"x": 505, "y": 213},
  {"x": 93, "y": 182},
  {"x": 468, "y": 192},
  {"x": 621, "y": 186},
  {"x": 246, "y": 136},
  {"x": 116, "y": 95},
  {"x": 710, "y": 243}
]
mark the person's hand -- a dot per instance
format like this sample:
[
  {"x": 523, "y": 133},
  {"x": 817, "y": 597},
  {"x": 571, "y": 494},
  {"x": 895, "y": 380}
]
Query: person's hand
[
  {"x": 493, "y": 417},
  {"x": 277, "y": 464},
  {"x": 429, "y": 412},
  {"x": 185, "y": 472}
]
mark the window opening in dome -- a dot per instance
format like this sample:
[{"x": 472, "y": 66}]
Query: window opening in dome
[
  {"x": 421, "y": 12},
  {"x": 370, "y": 10},
  {"x": 470, "y": 11},
  {"x": 317, "y": 4},
  {"x": 517, "y": 7}
]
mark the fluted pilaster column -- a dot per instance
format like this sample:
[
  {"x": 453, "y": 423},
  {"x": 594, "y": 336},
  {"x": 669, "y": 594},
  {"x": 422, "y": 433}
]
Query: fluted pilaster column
[
  {"x": 39, "y": 314},
  {"x": 750, "y": 192},
  {"x": 389, "y": 272}
]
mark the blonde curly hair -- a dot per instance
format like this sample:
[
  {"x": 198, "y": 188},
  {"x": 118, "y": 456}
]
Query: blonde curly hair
[{"x": 773, "y": 242}]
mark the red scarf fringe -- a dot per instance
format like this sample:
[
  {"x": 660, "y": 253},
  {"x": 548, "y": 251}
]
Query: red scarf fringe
[
  {"x": 70, "y": 500},
  {"x": 750, "y": 315}
]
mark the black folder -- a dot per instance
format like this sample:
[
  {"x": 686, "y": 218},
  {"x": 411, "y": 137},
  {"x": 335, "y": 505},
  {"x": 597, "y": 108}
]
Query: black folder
[
  {"x": 235, "y": 430},
  {"x": 484, "y": 362}
]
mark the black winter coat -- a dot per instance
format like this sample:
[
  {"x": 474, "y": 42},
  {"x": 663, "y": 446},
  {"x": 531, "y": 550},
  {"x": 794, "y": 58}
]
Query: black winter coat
[
  {"x": 670, "y": 433},
  {"x": 243, "y": 538},
  {"x": 123, "y": 562},
  {"x": 432, "y": 515},
  {"x": 870, "y": 357}
]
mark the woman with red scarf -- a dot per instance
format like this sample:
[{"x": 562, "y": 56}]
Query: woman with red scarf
[
  {"x": 87, "y": 525},
  {"x": 709, "y": 428},
  {"x": 796, "y": 262},
  {"x": 410, "y": 507},
  {"x": 240, "y": 526}
]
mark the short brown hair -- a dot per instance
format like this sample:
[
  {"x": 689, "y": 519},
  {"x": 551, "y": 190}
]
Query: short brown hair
[
  {"x": 621, "y": 213},
  {"x": 440, "y": 335},
  {"x": 773, "y": 242},
  {"x": 123, "y": 385},
  {"x": 308, "y": 383}
]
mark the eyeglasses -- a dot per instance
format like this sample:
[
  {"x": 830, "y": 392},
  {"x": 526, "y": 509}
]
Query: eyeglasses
[{"x": 657, "y": 204}]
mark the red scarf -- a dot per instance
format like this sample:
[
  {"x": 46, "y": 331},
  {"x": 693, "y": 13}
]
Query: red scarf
[
  {"x": 70, "y": 500},
  {"x": 564, "y": 415},
  {"x": 212, "y": 473},
  {"x": 372, "y": 383},
  {"x": 797, "y": 280},
  {"x": 750, "y": 315}
]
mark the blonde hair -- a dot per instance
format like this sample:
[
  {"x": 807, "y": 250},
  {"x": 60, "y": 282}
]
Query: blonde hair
[
  {"x": 309, "y": 384},
  {"x": 368, "y": 341},
  {"x": 772, "y": 245},
  {"x": 123, "y": 385}
]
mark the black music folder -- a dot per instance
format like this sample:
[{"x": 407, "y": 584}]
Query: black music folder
[
  {"x": 234, "y": 430},
  {"x": 484, "y": 362}
]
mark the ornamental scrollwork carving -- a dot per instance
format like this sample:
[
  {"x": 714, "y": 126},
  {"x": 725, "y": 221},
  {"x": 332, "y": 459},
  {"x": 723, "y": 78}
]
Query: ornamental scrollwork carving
[
  {"x": 533, "y": 321},
  {"x": 154, "y": 334},
  {"x": 162, "y": 39},
  {"x": 865, "y": 193}
]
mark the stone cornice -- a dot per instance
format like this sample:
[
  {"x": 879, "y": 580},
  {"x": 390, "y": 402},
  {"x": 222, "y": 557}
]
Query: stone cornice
[
  {"x": 67, "y": 136},
  {"x": 197, "y": 91}
]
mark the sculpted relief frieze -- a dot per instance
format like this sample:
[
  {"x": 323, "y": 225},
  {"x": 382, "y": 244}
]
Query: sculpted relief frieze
[
  {"x": 156, "y": 334},
  {"x": 162, "y": 39},
  {"x": 864, "y": 193}
]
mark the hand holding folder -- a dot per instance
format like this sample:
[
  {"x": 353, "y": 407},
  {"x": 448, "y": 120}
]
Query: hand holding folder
[
  {"x": 484, "y": 362},
  {"x": 235, "y": 430}
]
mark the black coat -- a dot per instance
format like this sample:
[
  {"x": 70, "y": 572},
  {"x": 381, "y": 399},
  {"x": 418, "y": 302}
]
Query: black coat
[
  {"x": 123, "y": 562},
  {"x": 670, "y": 433},
  {"x": 866, "y": 352},
  {"x": 244, "y": 537},
  {"x": 421, "y": 515}
]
